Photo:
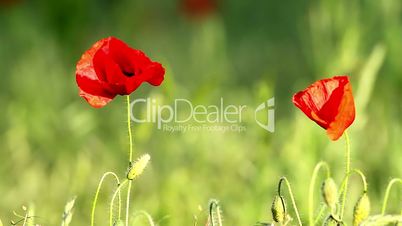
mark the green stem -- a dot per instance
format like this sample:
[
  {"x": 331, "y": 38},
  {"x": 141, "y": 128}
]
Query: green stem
[
  {"x": 311, "y": 189},
  {"x": 291, "y": 197},
  {"x": 146, "y": 215},
  {"x": 365, "y": 187},
  {"x": 130, "y": 137},
  {"x": 25, "y": 219},
  {"x": 97, "y": 194},
  {"x": 320, "y": 213},
  {"x": 130, "y": 156},
  {"x": 128, "y": 201},
  {"x": 347, "y": 172},
  {"x": 343, "y": 184},
  {"x": 392, "y": 182},
  {"x": 112, "y": 202}
]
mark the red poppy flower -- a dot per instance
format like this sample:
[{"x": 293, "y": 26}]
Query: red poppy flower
[
  {"x": 329, "y": 103},
  {"x": 198, "y": 7},
  {"x": 110, "y": 67}
]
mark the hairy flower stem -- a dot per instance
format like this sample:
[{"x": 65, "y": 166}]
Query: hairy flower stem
[
  {"x": 130, "y": 156},
  {"x": 320, "y": 214},
  {"x": 387, "y": 191},
  {"x": 128, "y": 201},
  {"x": 311, "y": 189},
  {"x": 97, "y": 194},
  {"x": 347, "y": 172},
  {"x": 146, "y": 215},
  {"x": 112, "y": 202},
  {"x": 365, "y": 187},
  {"x": 343, "y": 184},
  {"x": 130, "y": 137},
  {"x": 291, "y": 197},
  {"x": 363, "y": 178}
]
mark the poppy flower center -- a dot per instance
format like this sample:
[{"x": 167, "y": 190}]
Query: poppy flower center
[
  {"x": 125, "y": 65},
  {"x": 127, "y": 72}
]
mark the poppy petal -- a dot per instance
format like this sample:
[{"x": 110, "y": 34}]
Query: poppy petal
[
  {"x": 345, "y": 116},
  {"x": 85, "y": 67},
  {"x": 94, "y": 100}
]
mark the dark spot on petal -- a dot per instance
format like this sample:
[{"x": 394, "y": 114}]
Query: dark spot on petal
[{"x": 128, "y": 73}]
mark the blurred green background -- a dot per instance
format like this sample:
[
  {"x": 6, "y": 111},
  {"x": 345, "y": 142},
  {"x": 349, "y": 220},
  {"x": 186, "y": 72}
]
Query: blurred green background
[{"x": 54, "y": 146}]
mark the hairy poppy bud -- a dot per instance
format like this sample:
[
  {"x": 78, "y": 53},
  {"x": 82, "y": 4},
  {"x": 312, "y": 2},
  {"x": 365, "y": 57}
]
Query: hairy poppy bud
[
  {"x": 138, "y": 167},
  {"x": 331, "y": 221},
  {"x": 361, "y": 210},
  {"x": 278, "y": 209},
  {"x": 68, "y": 212},
  {"x": 329, "y": 192}
]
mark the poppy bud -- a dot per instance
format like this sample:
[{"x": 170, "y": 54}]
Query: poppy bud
[
  {"x": 68, "y": 212},
  {"x": 329, "y": 192},
  {"x": 278, "y": 209},
  {"x": 361, "y": 210},
  {"x": 138, "y": 167},
  {"x": 331, "y": 221}
]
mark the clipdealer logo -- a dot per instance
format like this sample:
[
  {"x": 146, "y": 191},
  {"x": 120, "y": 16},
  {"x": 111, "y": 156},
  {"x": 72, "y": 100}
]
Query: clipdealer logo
[
  {"x": 183, "y": 115},
  {"x": 267, "y": 106}
]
